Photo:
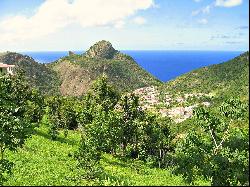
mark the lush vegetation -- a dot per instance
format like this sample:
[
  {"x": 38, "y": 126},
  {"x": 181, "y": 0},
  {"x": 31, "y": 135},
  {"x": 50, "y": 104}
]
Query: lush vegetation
[
  {"x": 216, "y": 149},
  {"x": 53, "y": 159},
  {"x": 46, "y": 162},
  {"x": 118, "y": 126},
  {"x": 38, "y": 75},
  {"x": 19, "y": 110},
  {"x": 106, "y": 138},
  {"x": 225, "y": 80}
]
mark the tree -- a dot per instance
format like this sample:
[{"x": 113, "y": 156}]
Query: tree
[
  {"x": 53, "y": 104},
  {"x": 115, "y": 124},
  {"x": 61, "y": 114},
  {"x": 96, "y": 115},
  {"x": 104, "y": 94},
  {"x": 131, "y": 115},
  {"x": 212, "y": 152},
  {"x": 155, "y": 138},
  {"x": 88, "y": 157},
  {"x": 19, "y": 110}
]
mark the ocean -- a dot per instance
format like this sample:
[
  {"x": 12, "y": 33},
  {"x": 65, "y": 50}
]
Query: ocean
[{"x": 165, "y": 65}]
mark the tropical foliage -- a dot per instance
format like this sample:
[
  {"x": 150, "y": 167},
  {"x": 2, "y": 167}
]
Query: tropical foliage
[
  {"x": 228, "y": 79},
  {"x": 85, "y": 140},
  {"x": 218, "y": 151},
  {"x": 117, "y": 125},
  {"x": 19, "y": 110}
]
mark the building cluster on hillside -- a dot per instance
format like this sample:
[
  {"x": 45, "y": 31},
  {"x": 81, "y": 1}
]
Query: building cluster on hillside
[{"x": 149, "y": 97}]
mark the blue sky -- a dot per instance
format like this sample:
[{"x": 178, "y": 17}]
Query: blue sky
[{"x": 55, "y": 25}]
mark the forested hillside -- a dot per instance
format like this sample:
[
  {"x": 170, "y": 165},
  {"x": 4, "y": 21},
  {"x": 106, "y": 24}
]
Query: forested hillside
[
  {"x": 106, "y": 137},
  {"x": 38, "y": 75},
  {"x": 228, "y": 79}
]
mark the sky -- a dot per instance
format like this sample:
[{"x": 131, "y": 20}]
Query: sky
[{"x": 62, "y": 25}]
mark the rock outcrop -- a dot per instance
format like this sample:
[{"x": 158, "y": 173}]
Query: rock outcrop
[
  {"x": 71, "y": 53},
  {"x": 101, "y": 50}
]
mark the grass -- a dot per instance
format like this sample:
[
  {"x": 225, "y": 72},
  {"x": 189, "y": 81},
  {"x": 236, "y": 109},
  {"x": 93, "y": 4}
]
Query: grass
[{"x": 44, "y": 162}]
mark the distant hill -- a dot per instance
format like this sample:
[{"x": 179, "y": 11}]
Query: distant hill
[
  {"x": 39, "y": 76},
  {"x": 73, "y": 74},
  {"x": 228, "y": 79},
  {"x": 208, "y": 86},
  {"x": 77, "y": 72}
]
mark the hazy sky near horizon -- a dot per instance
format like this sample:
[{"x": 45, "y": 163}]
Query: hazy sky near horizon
[{"x": 57, "y": 25}]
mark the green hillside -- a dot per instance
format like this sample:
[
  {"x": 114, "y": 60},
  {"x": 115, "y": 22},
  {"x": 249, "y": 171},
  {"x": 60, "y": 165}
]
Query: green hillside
[
  {"x": 228, "y": 79},
  {"x": 208, "y": 86},
  {"x": 107, "y": 138},
  {"x": 72, "y": 75},
  {"x": 77, "y": 72},
  {"x": 37, "y": 74},
  {"x": 43, "y": 161}
]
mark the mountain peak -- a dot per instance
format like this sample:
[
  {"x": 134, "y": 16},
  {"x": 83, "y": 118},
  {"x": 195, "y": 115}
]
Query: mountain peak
[{"x": 102, "y": 50}]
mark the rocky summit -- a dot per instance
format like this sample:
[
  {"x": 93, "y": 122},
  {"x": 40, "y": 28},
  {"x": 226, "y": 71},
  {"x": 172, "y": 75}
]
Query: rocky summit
[
  {"x": 71, "y": 53},
  {"x": 101, "y": 50}
]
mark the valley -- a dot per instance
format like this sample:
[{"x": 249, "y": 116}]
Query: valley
[{"x": 98, "y": 118}]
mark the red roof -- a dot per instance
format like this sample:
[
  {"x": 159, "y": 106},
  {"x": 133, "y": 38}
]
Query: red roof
[{"x": 6, "y": 65}]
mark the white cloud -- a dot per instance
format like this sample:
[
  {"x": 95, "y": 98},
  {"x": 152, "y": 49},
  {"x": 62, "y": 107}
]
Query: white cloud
[
  {"x": 205, "y": 10},
  {"x": 54, "y": 15},
  {"x": 119, "y": 24},
  {"x": 203, "y": 21},
  {"x": 139, "y": 20},
  {"x": 228, "y": 3},
  {"x": 217, "y": 3},
  {"x": 195, "y": 12}
]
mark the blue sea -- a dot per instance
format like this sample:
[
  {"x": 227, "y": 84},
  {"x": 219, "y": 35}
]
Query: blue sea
[{"x": 165, "y": 65}]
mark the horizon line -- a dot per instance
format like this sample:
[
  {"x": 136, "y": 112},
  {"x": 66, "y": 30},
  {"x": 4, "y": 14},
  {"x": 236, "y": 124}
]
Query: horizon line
[{"x": 78, "y": 50}]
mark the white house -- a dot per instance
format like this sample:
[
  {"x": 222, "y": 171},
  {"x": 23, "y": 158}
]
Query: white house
[{"x": 6, "y": 68}]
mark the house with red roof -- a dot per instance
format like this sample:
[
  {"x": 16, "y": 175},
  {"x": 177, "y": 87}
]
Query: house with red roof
[{"x": 6, "y": 69}]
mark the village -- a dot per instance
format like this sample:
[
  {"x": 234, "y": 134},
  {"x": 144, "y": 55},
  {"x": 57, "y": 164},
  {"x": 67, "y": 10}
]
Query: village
[{"x": 150, "y": 100}]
